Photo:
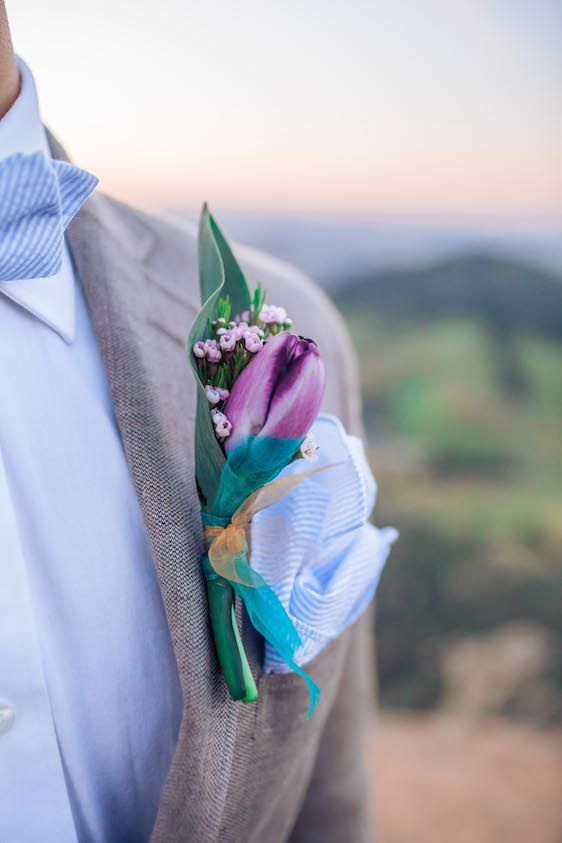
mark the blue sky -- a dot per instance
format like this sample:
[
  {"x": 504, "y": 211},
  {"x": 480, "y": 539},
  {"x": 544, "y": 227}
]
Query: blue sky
[{"x": 419, "y": 106}]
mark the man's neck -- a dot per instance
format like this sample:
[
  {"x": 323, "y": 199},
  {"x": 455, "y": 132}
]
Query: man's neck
[{"x": 9, "y": 75}]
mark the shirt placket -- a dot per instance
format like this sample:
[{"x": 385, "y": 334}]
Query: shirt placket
[{"x": 29, "y": 754}]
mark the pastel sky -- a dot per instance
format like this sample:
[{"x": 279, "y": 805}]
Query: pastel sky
[{"x": 437, "y": 106}]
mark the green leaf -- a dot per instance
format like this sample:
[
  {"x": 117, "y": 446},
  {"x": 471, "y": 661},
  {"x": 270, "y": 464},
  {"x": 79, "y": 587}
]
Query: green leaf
[
  {"x": 219, "y": 276},
  {"x": 224, "y": 309},
  {"x": 258, "y": 299},
  {"x": 235, "y": 286}
]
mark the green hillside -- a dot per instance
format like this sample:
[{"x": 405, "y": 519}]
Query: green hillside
[{"x": 461, "y": 372}]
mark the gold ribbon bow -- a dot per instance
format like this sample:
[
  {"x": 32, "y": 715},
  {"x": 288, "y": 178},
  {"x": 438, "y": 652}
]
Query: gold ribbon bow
[{"x": 227, "y": 546}]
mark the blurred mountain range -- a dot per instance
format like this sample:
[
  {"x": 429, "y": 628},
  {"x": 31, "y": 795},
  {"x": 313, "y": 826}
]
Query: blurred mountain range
[{"x": 332, "y": 250}]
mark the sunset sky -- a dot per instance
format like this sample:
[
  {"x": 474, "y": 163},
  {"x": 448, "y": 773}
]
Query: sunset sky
[{"x": 438, "y": 106}]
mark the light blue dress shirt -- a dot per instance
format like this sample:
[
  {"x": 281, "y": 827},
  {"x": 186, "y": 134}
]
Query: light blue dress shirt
[{"x": 90, "y": 701}]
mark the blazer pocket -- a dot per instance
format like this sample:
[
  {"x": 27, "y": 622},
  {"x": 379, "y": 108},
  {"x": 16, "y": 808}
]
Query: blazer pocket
[
  {"x": 283, "y": 697},
  {"x": 285, "y": 744}
]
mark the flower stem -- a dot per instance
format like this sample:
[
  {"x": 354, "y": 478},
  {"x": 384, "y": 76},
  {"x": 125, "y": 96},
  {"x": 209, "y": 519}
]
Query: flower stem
[{"x": 230, "y": 650}]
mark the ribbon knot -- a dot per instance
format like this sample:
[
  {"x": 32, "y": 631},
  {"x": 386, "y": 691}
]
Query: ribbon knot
[
  {"x": 228, "y": 545},
  {"x": 227, "y": 555}
]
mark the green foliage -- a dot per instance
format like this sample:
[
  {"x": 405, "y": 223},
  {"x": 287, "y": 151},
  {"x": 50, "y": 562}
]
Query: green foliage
[
  {"x": 258, "y": 300},
  {"x": 461, "y": 377},
  {"x": 224, "y": 309},
  {"x": 439, "y": 588},
  {"x": 222, "y": 285},
  {"x": 219, "y": 276}
]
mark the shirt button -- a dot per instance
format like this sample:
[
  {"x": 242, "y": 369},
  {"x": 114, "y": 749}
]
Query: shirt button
[{"x": 7, "y": 717}]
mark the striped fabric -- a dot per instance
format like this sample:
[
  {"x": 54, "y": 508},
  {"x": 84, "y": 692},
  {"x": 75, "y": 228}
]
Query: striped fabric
[
  {"x": 332, "y": 557},
  {"x": 38, "y": 198}
]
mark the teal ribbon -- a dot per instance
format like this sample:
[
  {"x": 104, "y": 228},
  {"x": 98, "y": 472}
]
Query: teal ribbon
[{"x": 250, "y": 466}]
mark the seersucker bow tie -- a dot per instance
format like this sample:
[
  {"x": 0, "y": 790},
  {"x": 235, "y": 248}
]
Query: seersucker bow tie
[{"x": 38, "y": 198}]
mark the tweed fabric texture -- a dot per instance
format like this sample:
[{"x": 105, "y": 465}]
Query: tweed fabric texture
[{"x": 259, "y": 772}]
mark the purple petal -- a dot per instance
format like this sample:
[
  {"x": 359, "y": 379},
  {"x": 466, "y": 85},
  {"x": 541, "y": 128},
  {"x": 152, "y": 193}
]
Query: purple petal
[
  {"x": 250, "y": 396},
  {"x": 298, "y": 396},
  {"x": 280, "y": 391}
]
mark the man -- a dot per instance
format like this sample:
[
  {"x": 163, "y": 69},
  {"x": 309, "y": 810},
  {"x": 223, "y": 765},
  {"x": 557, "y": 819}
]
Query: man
[{"x": 115, "y": 723}]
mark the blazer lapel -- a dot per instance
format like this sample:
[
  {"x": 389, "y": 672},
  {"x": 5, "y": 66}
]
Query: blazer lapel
[{"x": 139, "y": 322}]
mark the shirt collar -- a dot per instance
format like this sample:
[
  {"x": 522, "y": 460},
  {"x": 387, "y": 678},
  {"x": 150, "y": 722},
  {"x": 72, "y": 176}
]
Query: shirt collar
[{"x": 49, "y": 299}]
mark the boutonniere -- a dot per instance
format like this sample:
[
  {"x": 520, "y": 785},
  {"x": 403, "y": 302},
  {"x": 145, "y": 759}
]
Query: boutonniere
[{"x": 260, "y": 388}]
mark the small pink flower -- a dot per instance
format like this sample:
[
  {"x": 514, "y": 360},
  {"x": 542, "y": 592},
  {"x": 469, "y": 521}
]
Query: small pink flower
[
  {"x": 223, "y": 427},
  {"x": 212, "y": 351},
  {"x": 199, "y": 350},
  {"x": 216, "y": 415},
  {"x": 221, "y": 331},
  {"x": 309, "y": 448},
  {"x": 238, "y": 330},
  {"x": 228, "y": 341},
  {"x": 271, "y": 314},
  {"x": 267, "y": 314},
  {"x": 252, "y": 342},
  {"x": 212, "y": 394},
  {"x": 244, "y": 316},
  {"x": 223, "y": 393},
  {"x": 254, "y": 331},
  {"x": 214, "y": 355}
]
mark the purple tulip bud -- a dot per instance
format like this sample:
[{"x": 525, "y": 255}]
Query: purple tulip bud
[{"x": 279, "y": 392}]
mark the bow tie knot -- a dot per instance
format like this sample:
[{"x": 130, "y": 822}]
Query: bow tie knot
[{"x": 38, "y": 198}]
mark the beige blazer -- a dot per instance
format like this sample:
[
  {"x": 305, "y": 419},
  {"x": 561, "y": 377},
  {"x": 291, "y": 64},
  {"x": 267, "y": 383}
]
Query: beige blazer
[{"x": 241, "y": 773}]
